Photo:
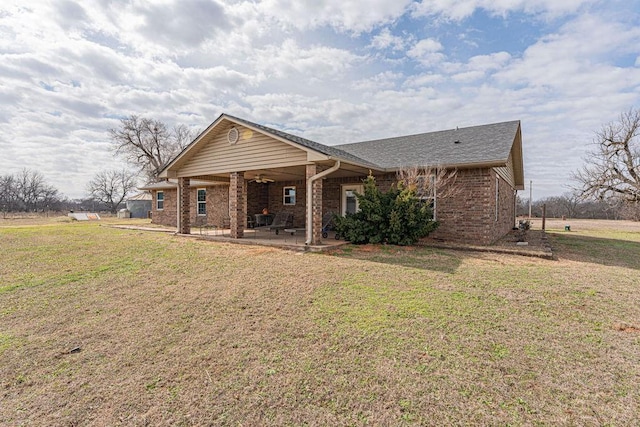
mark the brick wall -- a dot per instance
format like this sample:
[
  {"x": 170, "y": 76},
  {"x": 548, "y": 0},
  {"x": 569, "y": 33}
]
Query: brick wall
[
  {"x": 332, "y": 189},
  {"x": 257, "y": 197},
  {"x": 217, "y": 207},
  {"x": 276, "y": 191},
  {"x": 470, "y": 216},
  {"x": 185, "y": 205},
  {"x": 237, "y": 204},
  {"x": 317, "y": 212},
  {"x": 217, "y": 202},
  {"x": 168, "y": 215}
]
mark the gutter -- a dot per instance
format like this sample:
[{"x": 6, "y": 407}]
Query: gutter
[{"x": 310, "y": 182}]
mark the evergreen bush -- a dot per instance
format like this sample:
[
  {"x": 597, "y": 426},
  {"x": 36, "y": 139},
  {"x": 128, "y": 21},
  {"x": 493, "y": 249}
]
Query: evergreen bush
[{"x": 396, "y": 217}]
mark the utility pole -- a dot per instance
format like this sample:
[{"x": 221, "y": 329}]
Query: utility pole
[{"x": 530, "y": 197}]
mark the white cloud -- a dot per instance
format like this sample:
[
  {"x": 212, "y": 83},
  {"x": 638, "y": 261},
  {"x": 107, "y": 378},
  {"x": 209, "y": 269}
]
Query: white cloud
[
  {"x": 489, "y": 62},
  {"x": 580, "y": 56},
  {"x": 352, "y": 16},
  {"x": 315, "y": 63},
  {"x": 460, "y": 9},
  {"x": 428, "y": 79},
  {"x": 386, "y": 40},
  {"x": 385, "y": 80},
  {"x": 183, "y": 24},
  {"x": 427, "y": 52}
]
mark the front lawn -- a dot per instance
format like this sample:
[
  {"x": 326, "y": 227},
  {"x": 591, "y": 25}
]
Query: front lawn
[{"x": 119, "y": 327}]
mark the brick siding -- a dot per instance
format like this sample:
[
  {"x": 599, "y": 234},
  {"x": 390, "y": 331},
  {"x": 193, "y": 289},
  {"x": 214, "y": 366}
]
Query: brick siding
[
  {"x": 469, "y": 217},
  {"x": 237, "y": 204},
  {"x": 168, "y": 215}
]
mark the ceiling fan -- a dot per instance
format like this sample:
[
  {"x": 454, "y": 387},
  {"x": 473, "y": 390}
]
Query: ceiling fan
[{"x": 262, "y": 180}]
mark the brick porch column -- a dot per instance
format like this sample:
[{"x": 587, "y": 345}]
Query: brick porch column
[
  {"x": 316, "y": 206},
  {"x": 237, "y": 204},
  {"x": 185, "y": 205}
]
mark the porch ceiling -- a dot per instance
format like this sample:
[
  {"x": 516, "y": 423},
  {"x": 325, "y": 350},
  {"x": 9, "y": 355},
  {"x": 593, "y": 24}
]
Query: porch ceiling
[{"x": 291, "y": 173}]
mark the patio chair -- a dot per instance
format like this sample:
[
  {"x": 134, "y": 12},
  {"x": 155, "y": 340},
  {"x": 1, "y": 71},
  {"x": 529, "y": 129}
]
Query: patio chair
[
  {"x": 281, "y": 221},
  {"x": 203, "y": 225}
]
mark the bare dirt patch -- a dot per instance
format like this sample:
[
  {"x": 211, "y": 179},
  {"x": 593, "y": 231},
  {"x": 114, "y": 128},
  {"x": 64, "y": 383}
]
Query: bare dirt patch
[{"x": 625, "y": 327}]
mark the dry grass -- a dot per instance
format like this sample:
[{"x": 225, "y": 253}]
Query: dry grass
[{"x": 102, "y": 326}]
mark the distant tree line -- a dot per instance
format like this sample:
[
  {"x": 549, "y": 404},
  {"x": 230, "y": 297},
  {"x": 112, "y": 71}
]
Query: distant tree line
[
  {"x": 572, "y": 205},
  {"x": 28, "y": 191}
]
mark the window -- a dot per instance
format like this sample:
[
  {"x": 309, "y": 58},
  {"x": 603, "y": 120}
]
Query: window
[
  {"x": 289, "y": 196},
  {"x": 160, "y": 200},
  {"x": 426, "y": 191},
  {"x": 202, "y": 201},
  {"x": 349, "y": 200}
]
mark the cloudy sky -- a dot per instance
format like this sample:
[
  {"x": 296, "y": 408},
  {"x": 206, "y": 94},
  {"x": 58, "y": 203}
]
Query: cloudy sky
[{"x": 333, "y": 71}]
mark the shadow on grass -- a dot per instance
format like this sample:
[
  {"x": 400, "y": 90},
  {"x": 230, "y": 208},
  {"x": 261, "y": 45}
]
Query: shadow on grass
[
  {"x": 407, "y": 256},
  {"x": 597, "y": 250}
]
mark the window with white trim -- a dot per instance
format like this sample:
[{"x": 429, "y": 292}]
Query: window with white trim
[
  {"x": 426, "y": 192},
  {"x": 289, "y": 196},
  {"x": 159, "y": 200},
  {"x": 350, "y": 202},
  {"x": 202, "y": 201}
]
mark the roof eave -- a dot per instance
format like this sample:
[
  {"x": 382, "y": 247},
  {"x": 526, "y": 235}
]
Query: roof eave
[
  {"x": 166, "y": 185},
  {"x": 358, "y": 164},
  {"x": 466, "y": 165}
]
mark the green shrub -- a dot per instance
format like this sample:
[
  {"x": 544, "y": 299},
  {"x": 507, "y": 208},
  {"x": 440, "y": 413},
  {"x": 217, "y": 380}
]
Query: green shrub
[{"x": 396, "y": 217}]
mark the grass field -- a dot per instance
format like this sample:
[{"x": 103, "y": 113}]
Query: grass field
[{"x": 104, "y": 326}]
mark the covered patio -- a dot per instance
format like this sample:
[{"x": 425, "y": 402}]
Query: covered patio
[
  {"x": 236, "y": 171},
  {"x": 283, "y": 240}
]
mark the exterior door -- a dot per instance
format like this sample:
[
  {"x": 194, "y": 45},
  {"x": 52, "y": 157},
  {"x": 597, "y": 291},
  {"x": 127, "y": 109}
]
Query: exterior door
[{"x": 349, "y": 199}]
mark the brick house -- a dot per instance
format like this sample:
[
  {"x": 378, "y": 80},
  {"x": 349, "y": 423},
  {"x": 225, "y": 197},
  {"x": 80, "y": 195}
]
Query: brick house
[{"x": 235, "y": 168}]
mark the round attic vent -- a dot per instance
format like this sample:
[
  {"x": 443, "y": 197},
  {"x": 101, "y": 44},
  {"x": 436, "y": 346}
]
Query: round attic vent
[{"x": 233, "y": 135}]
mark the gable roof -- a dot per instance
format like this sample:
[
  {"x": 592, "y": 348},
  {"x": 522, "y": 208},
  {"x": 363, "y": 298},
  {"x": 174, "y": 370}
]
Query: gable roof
[
  {"x": 328, "y": 150},
  {"x": 483, "y": 144},
  {"x": 489, "y": 145}
]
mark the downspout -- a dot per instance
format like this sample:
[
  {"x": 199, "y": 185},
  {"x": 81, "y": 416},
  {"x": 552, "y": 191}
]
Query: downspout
[{"x": 310, "y": 182}]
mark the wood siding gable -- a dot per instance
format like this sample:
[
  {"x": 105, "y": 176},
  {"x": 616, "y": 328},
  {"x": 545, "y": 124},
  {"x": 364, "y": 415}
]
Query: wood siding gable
[{"x": 252, "y": 151}]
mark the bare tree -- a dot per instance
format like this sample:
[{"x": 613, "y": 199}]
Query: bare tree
[
  {"x": 570, "y": 202},
  {"x": 147, "y": 144},
  {"x": 8, "y": 195},
  {"x": 27, "y": 191},
  {"x": 430, "y": 181},
  {"x": 112, "y": 187},
  {"x": 613, "y": 167}
]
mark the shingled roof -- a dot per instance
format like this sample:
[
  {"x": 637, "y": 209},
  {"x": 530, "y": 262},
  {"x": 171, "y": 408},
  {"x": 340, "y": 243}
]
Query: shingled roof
[
  {"x": 485, "y": 145},
  {"x": 472, "y": 145}
]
